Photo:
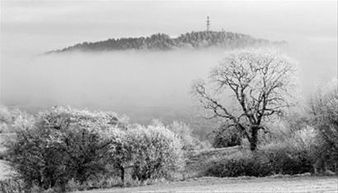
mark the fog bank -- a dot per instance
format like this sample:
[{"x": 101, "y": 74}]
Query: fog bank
[{"x": 136, "y": 78}]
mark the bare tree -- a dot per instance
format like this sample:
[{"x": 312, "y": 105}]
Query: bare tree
[{"x": 258, "y": 81}]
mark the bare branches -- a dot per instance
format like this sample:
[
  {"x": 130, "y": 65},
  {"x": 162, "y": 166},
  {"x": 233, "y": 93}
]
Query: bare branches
[
  {"x": 210, "y": 103},
  {"x": 259, "y": 82}
]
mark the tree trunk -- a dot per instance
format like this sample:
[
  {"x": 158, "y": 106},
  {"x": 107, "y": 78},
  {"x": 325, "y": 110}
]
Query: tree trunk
[
  {"x": 122, "y": 174},
  {"x": 254, "y": 139}
]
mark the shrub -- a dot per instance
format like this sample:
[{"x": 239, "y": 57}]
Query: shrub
[
  {"x": 62, "y": 144},
  {"x": 11, "y": 186},
  {"x": 184, "y": 132},
  {"x": 157, "y": 152},
  {"x": 267, "y": 161},
  {"x": 242, "y": 163},
  {"x": 120, "y": 154},
  {"x": 67, "y": 148},
  {"x": 286, "y": 159},
  {"x": 288, "y": 149},
  {"x": 151, "y": 152},
  {"x": 12, "y": 119},
  {"x": 288, "y": 152},
  {"x": 226, "y": 136},
  {"x": 324, "y": 117},
  {"x": 5, "y": 119}
]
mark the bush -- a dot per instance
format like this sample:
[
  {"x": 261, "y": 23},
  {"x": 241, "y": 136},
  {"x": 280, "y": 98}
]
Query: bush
[
  {"x": 11, "y": 186},
  {"x": 267, "y": 161},
  {"x": 285, "y": 159},
  {"x": 226, "y": 136},
  {"x": 324, "y": 117},
  {"x": 184, "y": 132},
  {"x": 5, "y": 119},
  {"x": 120, "y": 155},
  {"x": 158, "y": 152},
  {"x": 12, "y": 119},
  {"x": 66, "y": 148},
  {"x": 292, "y": 145},
  {"x": 290, "y": 152},
  {"x": 242, "y": 163},
  {"x": 152, "y": 152},
  {"x": 62, "y": 144}
]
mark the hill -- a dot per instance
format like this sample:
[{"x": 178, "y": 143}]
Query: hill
[{"x": 160, "y": 41}]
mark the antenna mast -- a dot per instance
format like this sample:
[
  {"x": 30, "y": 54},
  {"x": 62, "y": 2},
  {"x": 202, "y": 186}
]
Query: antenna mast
[{"x": 208, "y": 23}]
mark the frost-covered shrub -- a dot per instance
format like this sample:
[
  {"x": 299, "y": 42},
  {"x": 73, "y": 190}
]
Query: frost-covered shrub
[
  {"x": 120, "y": 153},
  {"x": 11, "y": 119},
  {"x": 271, "y": 159},
  {"x": 324, "y": 117},
  {"x": 151, "y": 152},
  {"x": 184, "y": 132},
  {"x": 11, "y": 186},
  {"x": 283, "y": 152},
  {"x": 242, "y": 163},
  {"x": 5, "y": 119},
  {"x": 62, "y": 144},
  {"x": 157, "y": 152},
  {"x": 65, "y": 144},
  {"x": 284, "y": 158},
  {"x": 226, "y": 136},
  {"x": 289, "y": 147},
  {"x": 308, "y": 139}
]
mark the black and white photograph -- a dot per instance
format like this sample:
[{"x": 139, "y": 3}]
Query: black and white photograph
[{"x": 168, "y": 96}]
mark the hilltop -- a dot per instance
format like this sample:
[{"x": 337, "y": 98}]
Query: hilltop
[{"x": 160, "y": 41}]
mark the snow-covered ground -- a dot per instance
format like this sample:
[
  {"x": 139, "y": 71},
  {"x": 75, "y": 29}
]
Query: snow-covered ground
[{"x": 300, "y": 184}]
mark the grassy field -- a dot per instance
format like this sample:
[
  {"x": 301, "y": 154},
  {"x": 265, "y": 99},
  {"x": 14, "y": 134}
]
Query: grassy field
[
  {"x": 300, "y": 184},
  {"x": 198, "y": 161}
]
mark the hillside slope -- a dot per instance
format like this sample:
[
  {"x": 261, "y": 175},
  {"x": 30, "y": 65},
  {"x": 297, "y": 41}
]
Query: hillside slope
[{"x": 195, "y": 40}]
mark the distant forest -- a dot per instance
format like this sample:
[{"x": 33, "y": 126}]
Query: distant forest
[{"x": 160, "y": 41}]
